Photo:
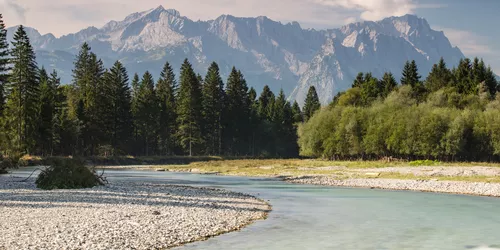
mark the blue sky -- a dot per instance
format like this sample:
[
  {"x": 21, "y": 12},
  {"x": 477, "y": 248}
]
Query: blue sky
[{"x": 470, "y": 25}]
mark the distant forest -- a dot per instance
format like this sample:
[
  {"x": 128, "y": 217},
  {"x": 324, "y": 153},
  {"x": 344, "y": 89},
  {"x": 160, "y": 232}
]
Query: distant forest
[
  {"x": 103, "y": 113},
  {"x": 452, "y": 115}
]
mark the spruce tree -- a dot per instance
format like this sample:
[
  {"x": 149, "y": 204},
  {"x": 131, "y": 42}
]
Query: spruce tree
[
  {"x": 297, "y": 113},
  {"x": 439, "y": 77},
  {"x": 388, "y": 84},
  {"x": 213, "y": 104},
  {"x": 23, "y": 95},
  {"x": 4, "y": 64},
  {"x": 266, "y": 102},
  {"x": 189, "y": 110},
  {"x": 48, "y": 95},
  {"x": 165, "y": 91},
  {"x": 237, "y": 117},
  {"x": 410, "y": 74},
  {"x": 120, "y": 122},
  {"x": 135, "y": 112},
  {"x": 285, "y": 143},
  {"x": 312, "y": 104},
  {"x": 147, "y": 113},
  {"x": 359, "y": 81}
]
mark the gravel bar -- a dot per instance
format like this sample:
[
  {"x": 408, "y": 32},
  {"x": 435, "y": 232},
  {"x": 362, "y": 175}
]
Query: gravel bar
[
  {"x": 455, "y": 187},
  {"x": 121, "y": 215}
]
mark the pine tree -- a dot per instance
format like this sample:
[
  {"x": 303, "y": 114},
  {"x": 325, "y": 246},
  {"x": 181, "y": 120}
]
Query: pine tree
[
  {"x": 439, "y": 77},
  {"x": 359, "y": 81},
  {"x": 23, "y": 95},
  {"x": 312, "y": 104},
  {"x": 254, "y": 121},
  {"x": 48, "y": 95},
  {"x": 388, "y": 84},
  {"x": 410, "y": 74},
  {"x": 135, "y": 111},
  {"x": 4, "y": 64},
  {"x": 165, "y": 91},
  {"x": 213, "y": 105},
  {"x": 147, "y": 112},
  {"x": 464, "y": 77},
  {"x": 62, "y": 127},
  {"x": 96, "y": 107},
  {"x": 120, "y": 122},
  {"x": 237, "y": 116},
  {"x": 285, "y": 143},
  {"x": 189, "y": 108},
  {"x": 297, "y": 113},
  {"x": 266, "y": 102}
]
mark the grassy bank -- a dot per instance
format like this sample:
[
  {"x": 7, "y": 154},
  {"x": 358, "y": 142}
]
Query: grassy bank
[{"x": 334, "y": 169}]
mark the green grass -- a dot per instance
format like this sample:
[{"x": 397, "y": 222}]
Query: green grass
[{"x": 336, "y": 169}]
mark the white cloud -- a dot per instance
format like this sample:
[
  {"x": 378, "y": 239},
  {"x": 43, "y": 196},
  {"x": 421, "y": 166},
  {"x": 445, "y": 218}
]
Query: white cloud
[
  {"x": 470, "y": 43},
  {"x": 373, "y": 9},
  {"x": 14, "y": 9}
]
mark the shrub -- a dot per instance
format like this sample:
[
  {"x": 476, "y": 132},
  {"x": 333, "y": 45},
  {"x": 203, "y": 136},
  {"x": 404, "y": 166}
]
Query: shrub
[{"x": 68, "y": 174}]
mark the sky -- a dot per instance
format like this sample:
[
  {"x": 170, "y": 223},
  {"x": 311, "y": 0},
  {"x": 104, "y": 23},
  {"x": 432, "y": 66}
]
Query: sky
[{"x": 469, "y": 24}]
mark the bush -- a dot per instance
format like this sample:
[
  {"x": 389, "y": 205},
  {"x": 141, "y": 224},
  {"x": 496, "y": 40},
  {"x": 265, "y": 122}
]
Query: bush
[{"x": 68, "y": 174}]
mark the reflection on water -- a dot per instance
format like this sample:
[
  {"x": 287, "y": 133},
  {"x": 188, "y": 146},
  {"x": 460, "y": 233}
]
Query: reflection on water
[{"x": 314, "y": 217}]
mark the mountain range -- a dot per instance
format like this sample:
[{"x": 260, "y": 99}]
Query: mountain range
[{"x": 283, "y": 56}]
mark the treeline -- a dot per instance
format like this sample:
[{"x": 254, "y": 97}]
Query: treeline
[
  {"x": 452, "y": 115},
  {"x": 102, "y": 113}
]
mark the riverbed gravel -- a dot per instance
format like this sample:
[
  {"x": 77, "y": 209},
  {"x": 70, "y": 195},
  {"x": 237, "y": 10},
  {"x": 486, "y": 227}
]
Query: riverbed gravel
[
  {"x": 455, "y": 187},
  {"x": 121, "y": 215}
]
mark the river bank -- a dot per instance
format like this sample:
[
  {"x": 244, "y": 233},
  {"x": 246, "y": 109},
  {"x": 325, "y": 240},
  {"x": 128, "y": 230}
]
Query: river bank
[
  {"x": 482, "y": 179},
  {"x": 121, "y": 215},
  {"x": 452, "y": 187}
]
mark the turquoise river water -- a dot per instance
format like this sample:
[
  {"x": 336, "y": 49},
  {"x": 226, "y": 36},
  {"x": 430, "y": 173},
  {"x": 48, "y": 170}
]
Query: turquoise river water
[{"x": 316, "y": 217}]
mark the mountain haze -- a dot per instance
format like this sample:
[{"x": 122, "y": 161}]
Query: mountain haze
[{"x": 267, "y": 52}]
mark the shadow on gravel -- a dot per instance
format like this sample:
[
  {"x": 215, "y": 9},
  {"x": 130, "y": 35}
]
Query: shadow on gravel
[{"x": 140, "y": 195}]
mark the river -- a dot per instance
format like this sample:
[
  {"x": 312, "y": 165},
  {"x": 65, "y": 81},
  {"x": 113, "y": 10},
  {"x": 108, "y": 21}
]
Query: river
[{"x": 316, "y": 217}]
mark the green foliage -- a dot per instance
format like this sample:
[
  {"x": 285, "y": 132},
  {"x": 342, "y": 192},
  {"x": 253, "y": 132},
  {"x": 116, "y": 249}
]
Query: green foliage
[
  {"x": 68, "y": 174},
  {"x": 456, "y": 120},
  {"x": 147, "y": 113},
  {"x": 4, "y": 64},
  {"x": 166, "y": 92},
  {"x": 21, "y": 114},
  {"x": 213, "y": 106},
  {"x": 312, "y": 103},
  {"x": 189, "y": 110}
]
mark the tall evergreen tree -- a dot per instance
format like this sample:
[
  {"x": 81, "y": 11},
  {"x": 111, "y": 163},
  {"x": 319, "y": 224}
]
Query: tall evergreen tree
[
  {"x": 147, "y": 112},
  {"x": 48, "y": 95},
  {"x": 189, "y": 110},
  {"x": 135, "y": 112},
  {"x": 237, "y": 116},
  {"x": 359, "y": 81},
  {"x": 285, "y": 143},
  {"x": 23, "y": 95},
  {"x": 388, "y": 84},
  {"x": 165, "y": 91},
  {"x": 120, "y": 113},
  {"x": 439, "y": 77},
  {"x": 410, "y": 74},
  {"x": 213, "y": 105},
  {"x": 297, "y": 113},
  {"x": 266, "y": 103},
  {"x": 4, "y": 64},
  {"x": 312, "y": 104}
]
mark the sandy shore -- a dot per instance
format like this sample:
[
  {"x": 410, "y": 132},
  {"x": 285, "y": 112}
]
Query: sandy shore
[
  {"x": 455, "y": 187},
  {"x": 119, "y": 216}
]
